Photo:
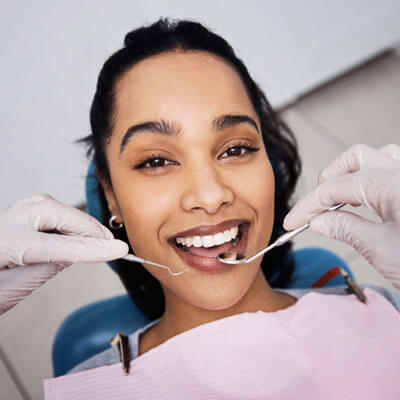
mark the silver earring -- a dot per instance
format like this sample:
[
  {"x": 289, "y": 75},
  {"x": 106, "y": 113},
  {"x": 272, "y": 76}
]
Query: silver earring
[{"x": 114, "y": 225}]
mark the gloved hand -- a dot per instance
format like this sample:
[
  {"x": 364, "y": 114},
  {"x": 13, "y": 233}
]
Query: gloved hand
[
  {"x": 36, "y": 255},
  {"x": 359, "y": 176}
]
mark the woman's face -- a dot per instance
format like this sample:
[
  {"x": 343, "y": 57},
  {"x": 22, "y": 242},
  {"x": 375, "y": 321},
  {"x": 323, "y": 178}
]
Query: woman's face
[{"x": 183, "y": 156}]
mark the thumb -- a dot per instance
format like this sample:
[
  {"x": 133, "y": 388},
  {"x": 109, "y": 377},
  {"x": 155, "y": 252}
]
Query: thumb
[
  {"x": 348, "y": 228},
  {"x": 56, "y": 248}
]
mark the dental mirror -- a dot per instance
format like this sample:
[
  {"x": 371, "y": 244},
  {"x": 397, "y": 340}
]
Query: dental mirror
[{"x": 237, "y": 258}]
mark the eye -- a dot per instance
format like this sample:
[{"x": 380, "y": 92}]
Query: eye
[
  {"x": 154, "y": 162},
  {"x": 239, "y": 150}
]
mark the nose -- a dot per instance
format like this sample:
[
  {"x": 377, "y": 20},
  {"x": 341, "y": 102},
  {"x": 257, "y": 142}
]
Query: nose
[{"x": 207, "y": 189}]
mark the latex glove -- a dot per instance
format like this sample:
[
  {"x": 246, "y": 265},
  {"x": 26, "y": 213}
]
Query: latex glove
[
  {"x": 38, "y": 256},
  {"x": 359, "y": 176}
]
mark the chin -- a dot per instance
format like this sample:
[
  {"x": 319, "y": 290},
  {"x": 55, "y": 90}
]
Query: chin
[{"x": 217, "y": 299}]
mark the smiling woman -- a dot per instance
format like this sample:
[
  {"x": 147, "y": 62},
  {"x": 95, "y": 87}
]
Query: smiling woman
[{"x": 194, "y": 162}]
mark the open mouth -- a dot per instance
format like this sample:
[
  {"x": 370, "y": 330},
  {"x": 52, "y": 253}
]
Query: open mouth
[{"x": 200, "y": 252}]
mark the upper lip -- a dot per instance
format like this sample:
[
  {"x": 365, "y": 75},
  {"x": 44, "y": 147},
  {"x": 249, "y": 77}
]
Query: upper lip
[{"x": 204, "y": 230}]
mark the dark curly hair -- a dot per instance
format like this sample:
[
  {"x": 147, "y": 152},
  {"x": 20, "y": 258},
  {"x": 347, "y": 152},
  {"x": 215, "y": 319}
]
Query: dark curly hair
[{"x": 169, "y": 35}]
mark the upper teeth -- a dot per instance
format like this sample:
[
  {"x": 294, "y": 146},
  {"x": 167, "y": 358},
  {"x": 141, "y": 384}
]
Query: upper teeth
[{"x": 209, "y": 240}]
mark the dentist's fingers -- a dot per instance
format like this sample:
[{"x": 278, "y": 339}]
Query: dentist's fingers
[
  {"x": 347, "y": 189},
  {"x": 344, "y": 226},
  {"x": 359, "y": 176},
  {"x": 377, "y": 243},
  {"x": 391, "y": 150},
  {"x": 353, "y": 159},
  {"x": 54, "y": 248},
  {"x": 44, "y": 213},
  {"x": 39, "y": 237}
]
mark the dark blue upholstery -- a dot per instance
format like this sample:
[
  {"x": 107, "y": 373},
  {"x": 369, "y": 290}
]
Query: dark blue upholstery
[{"x": 87, "y": 331}]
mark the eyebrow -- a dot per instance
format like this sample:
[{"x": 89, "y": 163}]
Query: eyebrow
[{"x": 171, "y": 129}]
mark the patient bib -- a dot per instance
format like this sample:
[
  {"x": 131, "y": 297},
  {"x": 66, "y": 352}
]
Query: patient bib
[{"x": 323, "y": 347}]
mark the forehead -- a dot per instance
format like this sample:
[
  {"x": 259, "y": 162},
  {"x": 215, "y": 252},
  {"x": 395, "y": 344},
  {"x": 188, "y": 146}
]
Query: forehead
[{"x": 193, "y": 83}]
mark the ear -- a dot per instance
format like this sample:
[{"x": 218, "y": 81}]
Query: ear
[{"x": 112, "y": 202}]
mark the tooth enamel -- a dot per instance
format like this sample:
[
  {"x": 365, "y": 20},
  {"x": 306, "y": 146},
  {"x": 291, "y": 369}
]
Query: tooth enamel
[
  {"x": 197, "y": 242},
  {"x": 227, "y": 235},
  {"x": 208, "y": 241},
  {"x": 234, "y": 231},
  {"x": 219, "y": 238}
]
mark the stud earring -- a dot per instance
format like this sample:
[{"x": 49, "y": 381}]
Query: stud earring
[{"x": 113, "y": 225}]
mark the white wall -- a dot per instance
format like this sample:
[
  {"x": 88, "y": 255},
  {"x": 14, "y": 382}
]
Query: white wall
[{"x": 51, "y": 53}]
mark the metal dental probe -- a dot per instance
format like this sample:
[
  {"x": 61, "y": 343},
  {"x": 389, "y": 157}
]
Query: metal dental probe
[
  {"x": 132, "y": 258},
  {"x": 231, "y": 257}
]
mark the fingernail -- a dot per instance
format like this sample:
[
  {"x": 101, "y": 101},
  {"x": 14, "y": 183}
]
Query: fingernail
[{"x": 286, "y": 222}]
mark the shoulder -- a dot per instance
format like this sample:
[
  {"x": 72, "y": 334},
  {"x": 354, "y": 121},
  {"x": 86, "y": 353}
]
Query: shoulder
[
  {"x": 392, "y": 295},
  {"x": 106, "y": 357},
  {"x": 111, "y": 355}
]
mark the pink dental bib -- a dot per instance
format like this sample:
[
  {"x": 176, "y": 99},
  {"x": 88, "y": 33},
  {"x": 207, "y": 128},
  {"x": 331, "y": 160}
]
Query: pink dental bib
[{"x": 323, "y": 347}]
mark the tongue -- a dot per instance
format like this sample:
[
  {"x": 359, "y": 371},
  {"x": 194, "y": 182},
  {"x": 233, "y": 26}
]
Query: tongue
[{"x": 210, "y": 251}]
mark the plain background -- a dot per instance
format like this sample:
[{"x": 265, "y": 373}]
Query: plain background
[{"x": 328, "y": 63}]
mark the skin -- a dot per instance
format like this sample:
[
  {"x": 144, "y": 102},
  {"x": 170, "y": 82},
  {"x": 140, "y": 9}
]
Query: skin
[{"x": 201, "y": 184}]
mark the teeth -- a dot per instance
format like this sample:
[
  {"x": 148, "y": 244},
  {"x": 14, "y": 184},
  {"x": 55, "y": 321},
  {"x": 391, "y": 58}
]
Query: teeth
[
  {"x": 227, "y": 235},
  {"x": 234, "y": 231},
  {"x": 219, "y": 238},
  {"x": 209, "y": 240},
  {"x": 197, "y": 242}
]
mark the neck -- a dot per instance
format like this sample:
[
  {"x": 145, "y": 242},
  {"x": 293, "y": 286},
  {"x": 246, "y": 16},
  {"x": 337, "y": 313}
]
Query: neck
[{"x": 180, "y": 316}]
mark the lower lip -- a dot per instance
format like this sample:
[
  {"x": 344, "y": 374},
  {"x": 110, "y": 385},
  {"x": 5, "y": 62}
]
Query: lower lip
[{"x": 211, "y": 264}]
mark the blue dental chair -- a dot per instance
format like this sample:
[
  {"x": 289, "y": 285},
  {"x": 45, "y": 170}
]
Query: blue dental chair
[{"x": 87, "y": 331}]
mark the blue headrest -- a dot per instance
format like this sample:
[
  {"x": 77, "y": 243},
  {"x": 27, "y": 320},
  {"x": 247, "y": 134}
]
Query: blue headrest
[{"x": 92, "y": 199}]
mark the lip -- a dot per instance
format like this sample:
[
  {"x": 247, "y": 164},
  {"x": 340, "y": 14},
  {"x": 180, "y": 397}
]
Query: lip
[
  {"x": 211, "y": 264},
  {"x": 204, "y": 230}
]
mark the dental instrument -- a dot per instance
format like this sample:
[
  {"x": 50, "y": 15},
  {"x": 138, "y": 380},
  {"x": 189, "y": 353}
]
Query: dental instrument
[
  {"x": 132, "y": 258},
  {"x": 231, "y": 257}
]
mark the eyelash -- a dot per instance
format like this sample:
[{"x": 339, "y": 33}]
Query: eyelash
[{"x": 249, "y": 148}]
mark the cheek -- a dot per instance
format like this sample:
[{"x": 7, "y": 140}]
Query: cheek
[
  {"x": 259, "y": 193},
  {"x": 144, "y": 208},
  {"x": 259, "y": 188}
]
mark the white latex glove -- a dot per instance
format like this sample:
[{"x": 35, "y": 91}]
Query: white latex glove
[
  {"x": 35, "y": 256},
  {"x": 359, "y": 176}
]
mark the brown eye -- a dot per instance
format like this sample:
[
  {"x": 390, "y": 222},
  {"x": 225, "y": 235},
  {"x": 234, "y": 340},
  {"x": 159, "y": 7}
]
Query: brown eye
[
  {"x": 239, "y": 150},
  {"x": 235, "y": 151},
  {"x": 154, "y": 163}
]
